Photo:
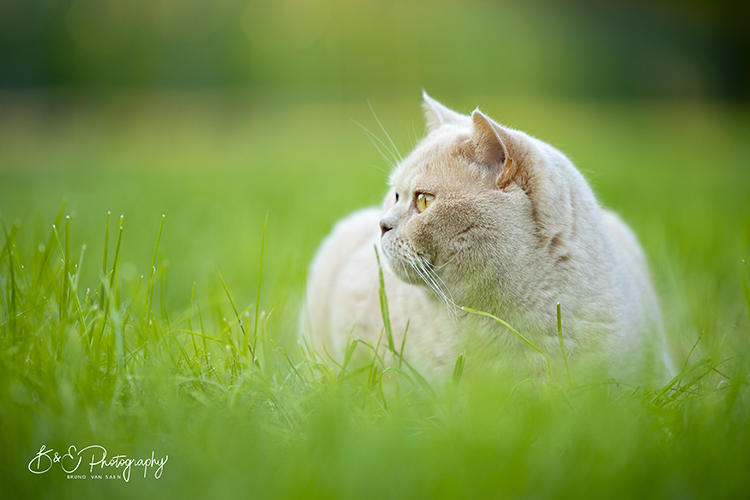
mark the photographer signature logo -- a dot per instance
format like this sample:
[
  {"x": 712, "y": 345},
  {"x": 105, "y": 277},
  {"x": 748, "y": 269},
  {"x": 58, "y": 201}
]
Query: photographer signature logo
[{"x": 115, "y": 467}]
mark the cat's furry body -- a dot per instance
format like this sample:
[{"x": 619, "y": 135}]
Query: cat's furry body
[{"x": 513, "y": 228}]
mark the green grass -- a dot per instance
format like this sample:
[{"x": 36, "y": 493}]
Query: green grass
[{"x": 137, "y": 343}]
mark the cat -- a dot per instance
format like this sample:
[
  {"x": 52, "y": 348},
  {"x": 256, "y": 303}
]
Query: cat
[{"x": 486, "y": 217}]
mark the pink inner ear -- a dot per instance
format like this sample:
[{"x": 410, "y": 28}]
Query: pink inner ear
[{"x": 490, "y": 147}]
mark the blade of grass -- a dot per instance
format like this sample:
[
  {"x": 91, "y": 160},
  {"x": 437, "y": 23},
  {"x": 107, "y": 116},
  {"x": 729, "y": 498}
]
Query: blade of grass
[
  {"x": 66, "y": 265},
  {"x": 79, "y": 266},
  {"x": 234, "y": 308},
  {"x": 12, "y": 292},
  {"x": 78, "y": 311},
  {"x": 384, "y": 305},
  {"x": 376, "y": 357},
  {"x": 347, "y": 357},
  {"x": 458, "y": 370},
  {"x": 517, "y": 334},
  {"x": 400, "y": 372},
  {"x": 132, "y": 302},
  {"x": 745, "y": 250},
  {"x": 25, "y": 311},
  {"x": 110, "y": 291},
  {"x": 116, "y": 264},
  {"x": 203, "y": 334},
  {"x": 291, "y": 365},
  {"x": 106, "y": 246},
  {"x": 190, "y": 319},
  {"x": 421, "y": 379},
  {"x": 257, "y": 294},
  {"x": 61, "y": 305},
  {"x": 676, "y": 379},
  {"x": 403, "y": 342},
  {"x": 48, "y": 249},
  {"x": 151, "y": 274},
  {"x": 118, "y": 327}
]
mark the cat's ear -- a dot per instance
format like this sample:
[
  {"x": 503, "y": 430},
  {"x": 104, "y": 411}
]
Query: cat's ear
[
  {"x": 438, "y": 115},
  {"x": 489, "y": 146},
  {"x": 515, "y": 160},
  {"x": 494, "y": 146}
]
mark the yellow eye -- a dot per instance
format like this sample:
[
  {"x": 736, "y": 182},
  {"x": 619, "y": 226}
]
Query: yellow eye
[{"x": 423, "y": 201}]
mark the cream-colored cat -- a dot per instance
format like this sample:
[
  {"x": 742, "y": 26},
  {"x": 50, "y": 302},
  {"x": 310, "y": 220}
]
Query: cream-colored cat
[{"x": 487, "y": 217}]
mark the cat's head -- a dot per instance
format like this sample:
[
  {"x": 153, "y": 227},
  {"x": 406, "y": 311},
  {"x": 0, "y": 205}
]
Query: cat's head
[{"x": 469, "y": 198}]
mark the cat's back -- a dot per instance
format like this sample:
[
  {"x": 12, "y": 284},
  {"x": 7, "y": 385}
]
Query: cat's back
[
  {"x": 627, "y": 242},
  {"x": 643, "y": 303},
  {"x": 635, "y": 271}
]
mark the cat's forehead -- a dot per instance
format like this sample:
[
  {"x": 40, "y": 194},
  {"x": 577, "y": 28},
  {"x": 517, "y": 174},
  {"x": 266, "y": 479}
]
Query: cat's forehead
[{"x": 434, "y": 157}]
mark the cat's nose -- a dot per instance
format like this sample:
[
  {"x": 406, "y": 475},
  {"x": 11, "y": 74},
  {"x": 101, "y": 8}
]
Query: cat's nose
[{"x": 384, "y": 227}]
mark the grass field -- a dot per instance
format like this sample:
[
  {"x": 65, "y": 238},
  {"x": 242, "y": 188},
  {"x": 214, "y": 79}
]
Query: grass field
[{"x": 96, "y": 344}]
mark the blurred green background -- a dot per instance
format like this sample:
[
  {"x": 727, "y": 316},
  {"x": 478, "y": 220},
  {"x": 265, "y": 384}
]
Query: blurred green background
[{"x": 581, "y": 48}]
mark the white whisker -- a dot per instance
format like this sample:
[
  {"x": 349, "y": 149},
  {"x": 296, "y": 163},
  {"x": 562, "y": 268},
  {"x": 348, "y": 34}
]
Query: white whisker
[
  {"x": 429, "y": 278},
  {"x": 395, "y": 149},
  {"x": 447, "y": 261},
  {"x": 431, "y": 269},
  {"x": 394, "y": 157}
]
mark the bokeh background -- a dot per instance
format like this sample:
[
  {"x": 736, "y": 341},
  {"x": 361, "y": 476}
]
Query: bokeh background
[
  {"x": 215, "y": 113},
  {"x": 575, "y": 48}
]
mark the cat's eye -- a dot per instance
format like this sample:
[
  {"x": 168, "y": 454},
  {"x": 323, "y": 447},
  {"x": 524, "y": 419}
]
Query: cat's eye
[
  {"x": 423, "y": 201},
  {"x": 396, "y": 197}
]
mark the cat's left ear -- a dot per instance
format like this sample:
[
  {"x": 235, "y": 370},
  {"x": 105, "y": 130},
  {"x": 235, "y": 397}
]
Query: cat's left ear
[{"x": 438, "y": 115}]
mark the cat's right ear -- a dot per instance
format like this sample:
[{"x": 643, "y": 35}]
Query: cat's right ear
[{"x": 438, "y": 115}]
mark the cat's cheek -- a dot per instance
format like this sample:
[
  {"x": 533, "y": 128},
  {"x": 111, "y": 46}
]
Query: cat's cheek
[
  {"x": 387, "y": 246},
  {"x": 425, "y": 238},
  {"x": 391, "y": 263},
  {"x": 384, "y": 249}
]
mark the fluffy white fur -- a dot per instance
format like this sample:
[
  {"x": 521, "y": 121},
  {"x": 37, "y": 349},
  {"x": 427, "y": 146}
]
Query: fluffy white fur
[{"x": 514, "y": 229}]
